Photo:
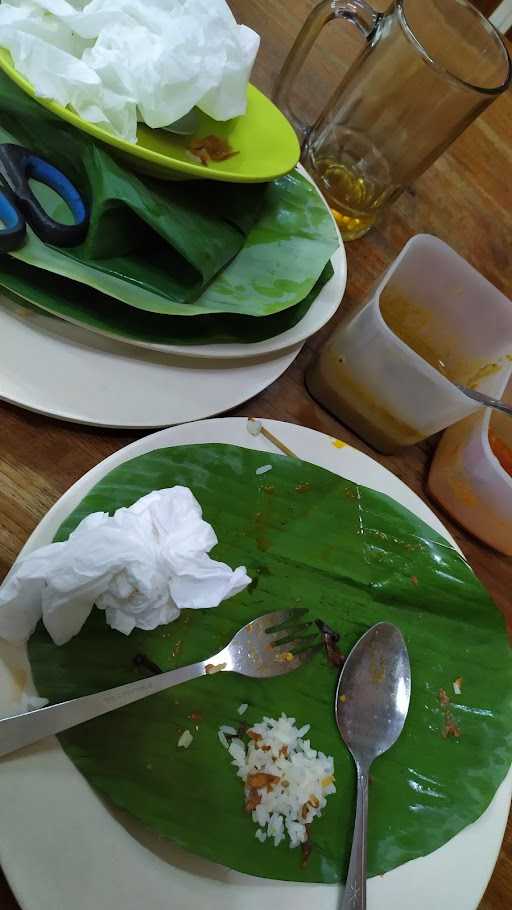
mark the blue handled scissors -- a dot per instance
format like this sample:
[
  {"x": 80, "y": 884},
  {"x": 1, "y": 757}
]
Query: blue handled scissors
[{"x": 18, "y": 205}]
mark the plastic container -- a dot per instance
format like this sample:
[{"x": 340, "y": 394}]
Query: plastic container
[
  {"x": 467, "y": 479},
  {"x": 378, "y": 385}
]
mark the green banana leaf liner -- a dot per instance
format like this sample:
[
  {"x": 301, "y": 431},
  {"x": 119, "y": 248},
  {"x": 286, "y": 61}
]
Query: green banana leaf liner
[
  {"x": 351, "y": 556},
  {"x": 91, "y": 309},
  {"x": 174, "y": 248}
]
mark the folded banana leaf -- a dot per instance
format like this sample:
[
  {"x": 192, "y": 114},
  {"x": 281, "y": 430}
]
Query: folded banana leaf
[
  {"x": 353, "y": 557},
  {"x": 174, "y": 248},
  {"x": 84, "y": 306}
]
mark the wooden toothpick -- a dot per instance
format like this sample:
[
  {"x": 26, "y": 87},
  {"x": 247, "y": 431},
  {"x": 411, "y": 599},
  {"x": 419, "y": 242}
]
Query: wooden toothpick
[{"x": 273, "y": 439}]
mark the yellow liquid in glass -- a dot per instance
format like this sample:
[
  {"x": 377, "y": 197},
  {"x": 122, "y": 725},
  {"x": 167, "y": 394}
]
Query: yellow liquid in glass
[{"x": 355, "y": 201}]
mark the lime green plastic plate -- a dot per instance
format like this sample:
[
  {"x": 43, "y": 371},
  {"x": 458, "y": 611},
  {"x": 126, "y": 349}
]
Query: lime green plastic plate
[{"x": 265, "y": 141}]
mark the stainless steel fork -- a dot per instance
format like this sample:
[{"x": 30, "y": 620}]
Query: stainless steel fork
[{"x": 271, "y": 645}]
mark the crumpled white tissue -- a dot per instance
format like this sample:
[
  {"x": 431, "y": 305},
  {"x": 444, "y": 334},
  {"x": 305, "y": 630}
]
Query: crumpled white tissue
[
  {"x": 118, "y": 61},
  {"x": 141, "y": 565}
]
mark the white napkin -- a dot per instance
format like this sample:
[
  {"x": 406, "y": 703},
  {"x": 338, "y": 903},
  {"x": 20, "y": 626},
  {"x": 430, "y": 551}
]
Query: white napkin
[
  {"x": 116, "y": 61},
  {"x": 142, "y": 566}
]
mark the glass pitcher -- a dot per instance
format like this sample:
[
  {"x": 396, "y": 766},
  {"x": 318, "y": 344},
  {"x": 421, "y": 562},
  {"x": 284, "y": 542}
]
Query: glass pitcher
[{"x": 427, "y": 69}]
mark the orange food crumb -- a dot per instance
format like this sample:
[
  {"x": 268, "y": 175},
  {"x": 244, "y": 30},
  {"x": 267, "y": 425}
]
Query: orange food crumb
[
  {"x": 450, "y": 728},
  {"x": 311, "y": 803},
  {"x": 214, "y": 668},
  {"x": 211, "y": 148},
  {"x": 285, "y": 657},
  {"x": 443, "y": 697},
  {"x": 260, "y": 780},
  {"x": 253, "y": 800}
]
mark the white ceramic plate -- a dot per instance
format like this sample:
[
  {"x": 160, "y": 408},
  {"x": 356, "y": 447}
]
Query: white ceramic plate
[
  {"x": 61, "y": 846},
  {"x": 323, "y": 308},
  {"x": 57, "y": 369}
]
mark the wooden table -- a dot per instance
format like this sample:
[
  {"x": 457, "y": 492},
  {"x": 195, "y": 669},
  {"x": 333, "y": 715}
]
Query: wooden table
[{"x": 465, "y": 199}]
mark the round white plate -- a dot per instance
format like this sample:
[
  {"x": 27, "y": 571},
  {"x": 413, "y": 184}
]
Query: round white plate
[
  {"x": 323, "y": 308},
  {"x": 61, "y": 846},
  {"x": 57, "y": 369}
]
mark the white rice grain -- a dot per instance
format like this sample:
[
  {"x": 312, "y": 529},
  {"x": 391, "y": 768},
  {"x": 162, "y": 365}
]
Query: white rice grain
[
  {"x": 263, "y": 469},
  {"x": 253, "y": 426},
  {"x": 185, "y": 739},
  {"x": 295, "y": 779}
]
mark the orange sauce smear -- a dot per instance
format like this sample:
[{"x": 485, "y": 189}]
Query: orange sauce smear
[{"x": 502, "y": 451}]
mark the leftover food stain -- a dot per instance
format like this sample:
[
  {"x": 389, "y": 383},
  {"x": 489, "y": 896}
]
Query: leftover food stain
[
  {"x": 306, "y": 848},
  {"x": 263, "y": 543},
  {"x": 502, "y": 451},
  {"x": 303, "y": 487},
  {"x": 176, "y": 649},
  {"x": 211, "y": 148},
  {"x": 330, "y": 640},
  {"x": 210, "y": 669},
  {"x": 284, "y": 657},
  {"x": 20, "y": 679},
  {"x": 449, "y": 728}
]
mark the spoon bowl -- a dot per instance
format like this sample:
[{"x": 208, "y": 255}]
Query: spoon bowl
[
  {"x": 372, "y": 701},
  {"x": 373, "y": 693}
]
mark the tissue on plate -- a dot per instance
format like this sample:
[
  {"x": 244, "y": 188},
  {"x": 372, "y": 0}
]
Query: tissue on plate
[
  {"x": 118, "y": 61},
  {"x": 141, "y": 565}
]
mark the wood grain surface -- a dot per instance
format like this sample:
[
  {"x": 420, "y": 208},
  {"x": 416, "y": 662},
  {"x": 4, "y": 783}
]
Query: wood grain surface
[
  {"x": 486, "y": 7},
  {"x": 465, "y": 199}
]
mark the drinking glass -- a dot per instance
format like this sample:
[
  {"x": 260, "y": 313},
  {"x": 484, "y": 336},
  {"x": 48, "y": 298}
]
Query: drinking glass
[{"x": 427, "y": 70}]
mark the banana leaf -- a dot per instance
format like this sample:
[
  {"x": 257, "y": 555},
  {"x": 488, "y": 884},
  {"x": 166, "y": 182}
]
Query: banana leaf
[
  {"x": 89, "y": 308},
  {"x": 174, "y": 248},
  {"x": 352, "y": 557}
]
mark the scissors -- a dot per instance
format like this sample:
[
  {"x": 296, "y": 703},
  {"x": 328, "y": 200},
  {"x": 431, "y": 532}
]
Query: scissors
[{"x": 18, "y": 205}]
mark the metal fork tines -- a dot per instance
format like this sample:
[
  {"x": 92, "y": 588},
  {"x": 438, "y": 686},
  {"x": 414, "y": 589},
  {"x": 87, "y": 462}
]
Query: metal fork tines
[{"x": 272, "y": 645}]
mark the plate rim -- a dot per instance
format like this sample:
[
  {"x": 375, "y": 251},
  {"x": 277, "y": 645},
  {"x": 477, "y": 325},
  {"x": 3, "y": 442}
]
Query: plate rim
[
  {"x": 250, "y": 379},
  {"x": 411, "y": 878},
  {"x": 145, "y": 155},
  {"x": 332, "y": 291}
]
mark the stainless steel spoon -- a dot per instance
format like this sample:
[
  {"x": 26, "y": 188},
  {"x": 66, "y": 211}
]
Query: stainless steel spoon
[
  {"x": 485, "y": 399},
  {"x": 372, "y": 700}
]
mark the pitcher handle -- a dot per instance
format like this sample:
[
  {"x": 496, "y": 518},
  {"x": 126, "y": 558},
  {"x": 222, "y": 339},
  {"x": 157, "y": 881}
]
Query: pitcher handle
[{"x": 358, "y": 12}]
